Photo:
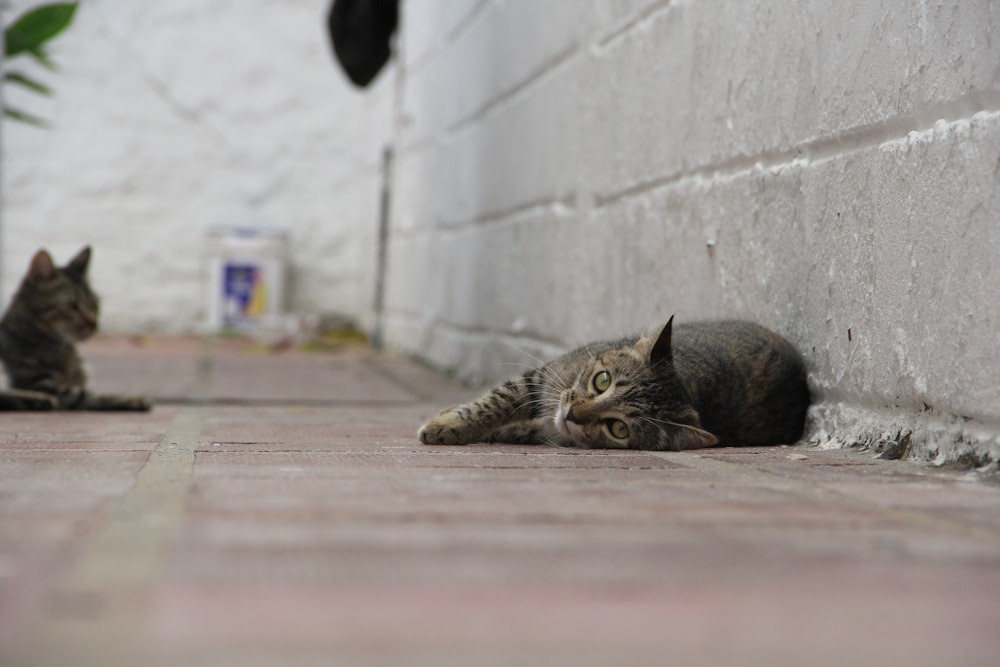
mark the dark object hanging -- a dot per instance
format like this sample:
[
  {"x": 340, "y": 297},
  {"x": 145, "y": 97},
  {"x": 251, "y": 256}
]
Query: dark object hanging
[{"x": 360, "y": 31}]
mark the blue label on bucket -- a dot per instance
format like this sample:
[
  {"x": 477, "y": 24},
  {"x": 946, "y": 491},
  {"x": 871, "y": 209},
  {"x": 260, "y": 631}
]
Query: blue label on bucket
[{"x": 243, "y": 292}]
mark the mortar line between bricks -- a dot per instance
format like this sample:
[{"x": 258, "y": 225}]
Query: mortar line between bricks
[
  {"x": 92, "y": 615},
  {"x": 820, "y": 149},
  {"x": 631, "y": 22},
  {"x": 534, "y": 78},
  {"x": 761, "y": 478}
]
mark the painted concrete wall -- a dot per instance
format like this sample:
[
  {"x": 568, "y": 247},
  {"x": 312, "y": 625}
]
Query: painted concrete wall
[
  {"x": 566, "y": 170},
  {"x": 172, "y": 117},
  {"x": 573, "y": 169}
]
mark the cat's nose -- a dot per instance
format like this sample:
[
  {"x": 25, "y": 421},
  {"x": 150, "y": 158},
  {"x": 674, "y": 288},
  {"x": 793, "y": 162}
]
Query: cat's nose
[{"x": 569, "y": 415}]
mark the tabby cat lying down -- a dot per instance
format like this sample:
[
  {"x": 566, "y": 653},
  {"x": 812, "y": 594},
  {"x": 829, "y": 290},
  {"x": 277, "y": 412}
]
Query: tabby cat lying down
[
  {"x": 52, "y": 309},
  {"x": 696, "y": 385}
]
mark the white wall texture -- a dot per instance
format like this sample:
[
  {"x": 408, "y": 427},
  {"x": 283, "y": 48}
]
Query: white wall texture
[
  {"x": 574, "y": 169},
  {"x": 172, "y": 117},
  {"x": 566, "y": 170}
]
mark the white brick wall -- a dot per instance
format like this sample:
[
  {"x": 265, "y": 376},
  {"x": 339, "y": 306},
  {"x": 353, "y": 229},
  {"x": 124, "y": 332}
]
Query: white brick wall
[
  {"x": 565, "y": 166},
  {"x": 565, "y": 170},
  {"x": 171, "y": 117}
]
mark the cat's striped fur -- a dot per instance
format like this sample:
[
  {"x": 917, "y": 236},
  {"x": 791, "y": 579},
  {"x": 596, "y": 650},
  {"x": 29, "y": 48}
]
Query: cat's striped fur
[
  {"x": 696, "y": 385},
  {"x": 53, "y": 309}
]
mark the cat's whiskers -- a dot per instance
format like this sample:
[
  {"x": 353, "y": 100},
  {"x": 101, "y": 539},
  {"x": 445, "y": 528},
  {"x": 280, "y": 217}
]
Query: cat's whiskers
[
  {"x": 646, "y": 386},
  {"x": 546, "y": 403},
  {"x": 518, "y": 364},
  {"x": 667, "y": 422},
  {"x": 538, "y": 363},
  {"x": 559, "y": 378},
  {"x": 655, "y": 421}
]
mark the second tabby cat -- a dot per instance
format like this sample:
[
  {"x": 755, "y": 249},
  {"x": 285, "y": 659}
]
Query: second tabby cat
[
  {"x": 53, "y": 309},
  {"x": 705, "y": 384}
]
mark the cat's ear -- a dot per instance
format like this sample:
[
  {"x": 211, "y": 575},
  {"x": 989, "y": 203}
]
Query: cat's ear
[
  {"x": 78, "y": 265},
  {"x": 660, "y": 352},
  {"x": 683, "y": 431},
  {"x": 41, "y": 268},
  {"x": 683, "y": 437}
]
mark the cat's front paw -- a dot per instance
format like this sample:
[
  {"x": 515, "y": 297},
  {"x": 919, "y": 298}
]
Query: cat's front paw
[
  {"x": 43, "y": 403},
  {"x": 116, "y": 402},
  {"x": 35, "y": 400},
  {"x": 138, "y": 403},
  {"x": 448, "y": 428}
]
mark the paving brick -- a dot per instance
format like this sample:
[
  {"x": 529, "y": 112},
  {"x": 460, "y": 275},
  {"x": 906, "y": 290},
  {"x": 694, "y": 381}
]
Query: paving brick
[
  {"x": 46, "y": 480},
  {"x": 802, "y": 620},
  {"x": 299, "y": 378},
  {"x": 48, "y": 430},
  {"x": 161, "y": 368},
  {"x": 264, "y": 530}
]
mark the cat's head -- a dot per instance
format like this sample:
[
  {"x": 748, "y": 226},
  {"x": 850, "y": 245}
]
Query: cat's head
[
  {"x": 58, "y": 297},
  {"x": 631, "y": 397}
]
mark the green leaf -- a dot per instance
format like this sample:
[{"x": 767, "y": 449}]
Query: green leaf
[
  {"x": 43, "y": 59},
  {"x": 37, "y": 26},
  {"x": 25, "y": 117},
  {"x": 29, "y": 83}
]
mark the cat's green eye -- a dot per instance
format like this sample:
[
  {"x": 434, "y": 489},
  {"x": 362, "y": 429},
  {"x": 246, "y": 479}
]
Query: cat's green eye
[
  {"x": 602, "y": 381},
  {"x": 618, "y": 428}
]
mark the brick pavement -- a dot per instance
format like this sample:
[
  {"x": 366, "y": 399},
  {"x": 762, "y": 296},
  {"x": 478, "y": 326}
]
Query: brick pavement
[{"x": 276, "y": 509}]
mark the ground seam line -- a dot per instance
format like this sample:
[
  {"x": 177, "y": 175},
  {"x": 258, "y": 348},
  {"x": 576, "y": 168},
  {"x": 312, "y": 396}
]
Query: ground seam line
[
  {"x": 762, "y": 478},
  {"x": 93, "y": 611},
  {"x": 125, "y": 552}
]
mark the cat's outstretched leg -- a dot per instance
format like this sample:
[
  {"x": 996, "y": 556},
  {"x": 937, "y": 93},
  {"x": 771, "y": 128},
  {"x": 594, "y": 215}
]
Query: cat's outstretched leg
[
  {"x": 112, "y": 402},
  {"x": 451, "y": 426},
  {"x": 24, "y": 399},
  {"x": 511, "y": 401},
  {"x": 532, "y": 432}
]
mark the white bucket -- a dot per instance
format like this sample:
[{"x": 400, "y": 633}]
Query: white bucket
[{"x": 246, "y": 267}]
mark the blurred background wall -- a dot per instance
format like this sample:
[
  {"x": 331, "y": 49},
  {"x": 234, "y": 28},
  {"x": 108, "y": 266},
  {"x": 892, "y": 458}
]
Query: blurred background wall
[
  {"x": 565, "y": 170},
  {"x": 170, "y": 118},
  {"x": 577, "y": 169}
]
